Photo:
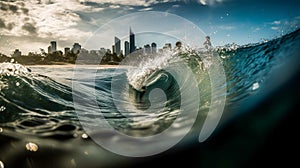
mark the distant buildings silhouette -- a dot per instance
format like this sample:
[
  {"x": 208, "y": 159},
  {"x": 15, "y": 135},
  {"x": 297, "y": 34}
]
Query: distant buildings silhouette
[
  {"x": 53, "y": 47},
  {"x": 131, "y": 41},
  {"x": 115, "y": 53},
  {"x": 17, "y": 53},
  {"x": 126, "y": 48},
  {"x": 117, "y": 46}
]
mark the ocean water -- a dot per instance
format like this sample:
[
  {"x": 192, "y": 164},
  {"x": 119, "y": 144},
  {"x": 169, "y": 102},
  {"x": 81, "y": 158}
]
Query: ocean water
[{"x": 47, "y": 116}]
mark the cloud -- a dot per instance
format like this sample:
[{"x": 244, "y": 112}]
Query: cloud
[
  {"x": 29, "y": 28},
  {"x": 144, "y": 3},
  {"x": 274, "y": 28},
  {"x": 203, "y": 2},
  {"x": 25, "y": 11},
  {"x": 276, "y": 22},
  {"x": 8, "y": 6},
  {"x": 146, "y": 9},
  {"x": 210, "y": 2},
  {"x": 2, "y": 24},
  {"x": 8, "y": 26},
  {"x": 224, "y": 27},
  {"x": 13, "y": 8},
  {"x": 46, "y": 19}
]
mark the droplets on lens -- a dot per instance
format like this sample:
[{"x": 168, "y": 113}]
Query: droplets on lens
[
  {"x": 84, "y": 136},
  {"x": 2, "y": 108},
  {"x": 32, "y": 147},
  {"x": 255, "y": 86},
  {"x": 1, "y": 164}
]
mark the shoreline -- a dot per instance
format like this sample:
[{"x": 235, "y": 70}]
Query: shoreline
[{"x": 75, "y": 65}]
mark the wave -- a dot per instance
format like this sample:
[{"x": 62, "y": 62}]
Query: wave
[
  {"x": 144, "y": 98},
  {"x": 35, "y": 104}
]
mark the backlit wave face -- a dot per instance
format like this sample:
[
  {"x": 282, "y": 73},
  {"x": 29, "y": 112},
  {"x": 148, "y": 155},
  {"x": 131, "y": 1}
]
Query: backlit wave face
[{"x": 159, "y": 91}]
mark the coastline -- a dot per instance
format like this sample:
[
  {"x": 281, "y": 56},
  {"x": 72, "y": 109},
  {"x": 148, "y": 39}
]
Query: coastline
[{"x": 68, "y": 65}]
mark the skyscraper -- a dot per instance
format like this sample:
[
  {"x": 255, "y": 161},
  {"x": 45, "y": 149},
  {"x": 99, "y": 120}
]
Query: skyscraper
[
  {"x": 53, "y": 46},
  {"x": 167, "y": 46},
  {"x": 153, "y": 48},
  {"x": 17, "y": 53},
  {"x": 147, "y": 49},
  {"x": 113, "y": 47},
  {"x": 67, "y": 50},
  {"x": 118, "y": 45},
  {"x": 131, "y": 41},
  {"x": 76, "y": 48},
  {"x": 126, "y": 46}
]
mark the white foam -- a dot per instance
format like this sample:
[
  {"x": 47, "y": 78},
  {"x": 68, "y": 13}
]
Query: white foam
[
  {"x": 255, "y": 86},
  {"x": 11, "y": 69}
]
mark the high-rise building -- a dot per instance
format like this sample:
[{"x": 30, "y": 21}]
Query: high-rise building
[
  {"x": 126, "y": 46},
  {"x": 76, "y": 48},
  {"x": 167, "y": 46},
  {"x": 102, "y": 51},
  {"x": 131, "y": 41},
  {"x": 118, "y": 45},
  {"x": 17, "y": 53},
  {"x": 153, "y": 48},
  {"x": 147, "y": 49},
  {"x": 49, "y": 49},
  {"x": 67, "y": 50},
  {"x": 53, "y": 46},
  {"x": 83, "y": 52},
  {"x": 113, "y": 49}
]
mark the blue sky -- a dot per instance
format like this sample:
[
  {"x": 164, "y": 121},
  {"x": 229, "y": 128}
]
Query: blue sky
[{"x": 32, "y": 24}]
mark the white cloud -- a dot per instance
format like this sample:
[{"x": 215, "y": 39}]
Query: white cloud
[
  {"x": 203, "y": 2},
  {"x": 274, "y": 28},
  {"x": 276, "y": 22},
  {"x": 224, "y": 27},
  {"x": 210, "y": 2},
  {"x": 257, "y": 29},
  {"x": 57, "y": 19},
  {"x": 146, "y": 9},
  {"x": 144, "y": 3}
]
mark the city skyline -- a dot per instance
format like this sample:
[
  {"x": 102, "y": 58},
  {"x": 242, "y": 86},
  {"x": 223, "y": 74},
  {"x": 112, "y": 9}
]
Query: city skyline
[
  {"x": 23, "y": 25},
  {"x": 128, "y": 47}
]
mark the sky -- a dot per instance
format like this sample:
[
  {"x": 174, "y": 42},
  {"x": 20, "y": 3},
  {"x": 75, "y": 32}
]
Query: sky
[{"x": 31, "y": 24}]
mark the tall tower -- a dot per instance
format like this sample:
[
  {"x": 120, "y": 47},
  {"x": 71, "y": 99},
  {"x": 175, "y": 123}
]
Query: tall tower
[
  {"x": 153, "y": 48},
  {"x": 126, "y": 46},
  {"x": 76, "y": 48},
  {"x": 131, "y": 41},
  {"x": 53, "y": 46},
  {"x": 147, "y": 49},
  {"x": 117, "y": 46}
]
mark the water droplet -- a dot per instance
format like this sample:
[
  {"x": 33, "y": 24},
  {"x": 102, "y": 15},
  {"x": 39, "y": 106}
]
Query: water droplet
[
  {"x": 73, "y": 163},
  {"x": 255, "y": 86},
  {"x": 84, "y": 136},
  {"x": 1, "y": 164},
  {"x": 86, "y": 153},
  {"x": 1, "y": 130},
  {"x": 2, "y": 108},
  {"x": 17, "y": 84},
  {"x": 32, "y": 147}
]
